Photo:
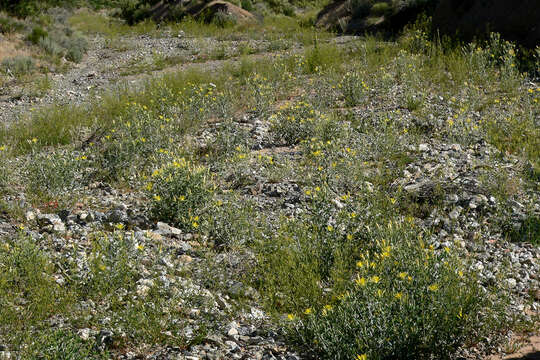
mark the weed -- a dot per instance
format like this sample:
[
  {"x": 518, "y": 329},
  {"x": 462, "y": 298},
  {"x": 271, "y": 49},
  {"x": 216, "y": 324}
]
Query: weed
[
  {"x": 295, "y": 123},
  {"x": 52, "y": 174},
  {"x": 18, "y": 66},
  {"x": 263, "y": 93},
  {"x": 413, "y": 102},
  {"x": 36, "y": 35},
  {"x": 353, "y": 89},
  {"x": 29, "y": 294},
  {"x": 527, "y": 230},
  {"x": 9, "y": 25},
  {"x": 321, "y": 57},
  {"x": 402, "y": 290},
  {"x": 380, "y": 9},
  {"x": 50, "y": 46},
  {"x": 179, "y": 193}
]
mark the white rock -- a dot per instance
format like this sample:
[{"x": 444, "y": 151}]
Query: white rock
[{"x": 423, "y": 147}]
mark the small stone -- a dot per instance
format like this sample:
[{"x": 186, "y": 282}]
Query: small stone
[
  {"x": 222, "y": 303},
  {"x": 84, "y": 334},
  {"x": 50, "y": 223},
  {"x": 232, "y": 345},
  {"x": 167, "y": 230},
  {"x": 456, "y": 147},
  {"x": 369, "y": 186},
  {"x": 144, "y": 286},
  {"x": 423, "y": 147},
  {"x": 232, "y": 331},
  {"x": 30, "y": 216},
  {"x": 153, "y": 236},
  {"x": 454, "y": 214},
  {"x": 86, "y": 217},
  {"x": 511, "y": 283},
  {"x": 117, "y": 216}
]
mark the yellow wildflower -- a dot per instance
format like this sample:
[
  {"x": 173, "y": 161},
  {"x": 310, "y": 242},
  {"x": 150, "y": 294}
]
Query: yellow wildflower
[
  {"x": 326, "y": 309},
  {"x": 360, "y": 281}
]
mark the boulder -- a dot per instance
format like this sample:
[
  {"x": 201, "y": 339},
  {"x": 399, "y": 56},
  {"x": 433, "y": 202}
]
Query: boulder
[
  {"x": 517, "y": 20},
  {"x": 210, "y": 11}
]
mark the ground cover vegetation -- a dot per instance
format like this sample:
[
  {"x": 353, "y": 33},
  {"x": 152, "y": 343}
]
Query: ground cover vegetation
[{"x": 333, "y": 198}]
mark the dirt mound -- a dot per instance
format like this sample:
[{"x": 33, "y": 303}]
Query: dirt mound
[
  {"x": 518, "y": 21},
  {"x": 217, "y": 10}
]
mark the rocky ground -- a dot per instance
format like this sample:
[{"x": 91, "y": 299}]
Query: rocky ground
[{"x": 460, "y": 178}]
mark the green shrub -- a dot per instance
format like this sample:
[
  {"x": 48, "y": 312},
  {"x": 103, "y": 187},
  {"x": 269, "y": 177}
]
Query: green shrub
[
  {"x": 76, "y": 46},
  {"x": 36, "y": 35},
  {"x": 353, "y": 88},
  {"x": 360, "y": 8},
  {"x": 133, "y": 138},
  {"x": 233, "y": 224},
  {"x": 50, "y": 46},
  {"x": 52, "y": 174},
  {"x": 262, "y": 91},
  {"x": 112, "y": 261},
  {"x": 294, "y": 123},
  {"x": 63, "y": 344},
  {"x": 321, "y": 57},
  {"x": 18, "y": 65},
  {"x": 9, "y": 25},
  {"x": 134, "y": 11},
  {"x": 247, "y": 5},
  {"x": 405, "y": 301},
  {"x": 180, "y": 193},
  {"x": 24, "y": 8},
  {"x": 223, "y": 19},
  {"x": 26, "y": 279},
  {"x": 380, "y": 9},
  {"x": 528, "y": 230},
  {"x": 66, "y": 43}
]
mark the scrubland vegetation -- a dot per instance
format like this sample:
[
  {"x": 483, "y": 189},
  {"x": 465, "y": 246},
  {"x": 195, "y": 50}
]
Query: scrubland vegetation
[{"x": 310, "y": 179}]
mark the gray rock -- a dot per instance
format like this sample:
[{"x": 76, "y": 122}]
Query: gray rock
[
  {"x": 423, "y": 147},
  {"x": 511, "y": 283},
  {"x": 167, "y": 230},
  {"x": 50, "y": 223},
  {"x": 117, "y": 216}
]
